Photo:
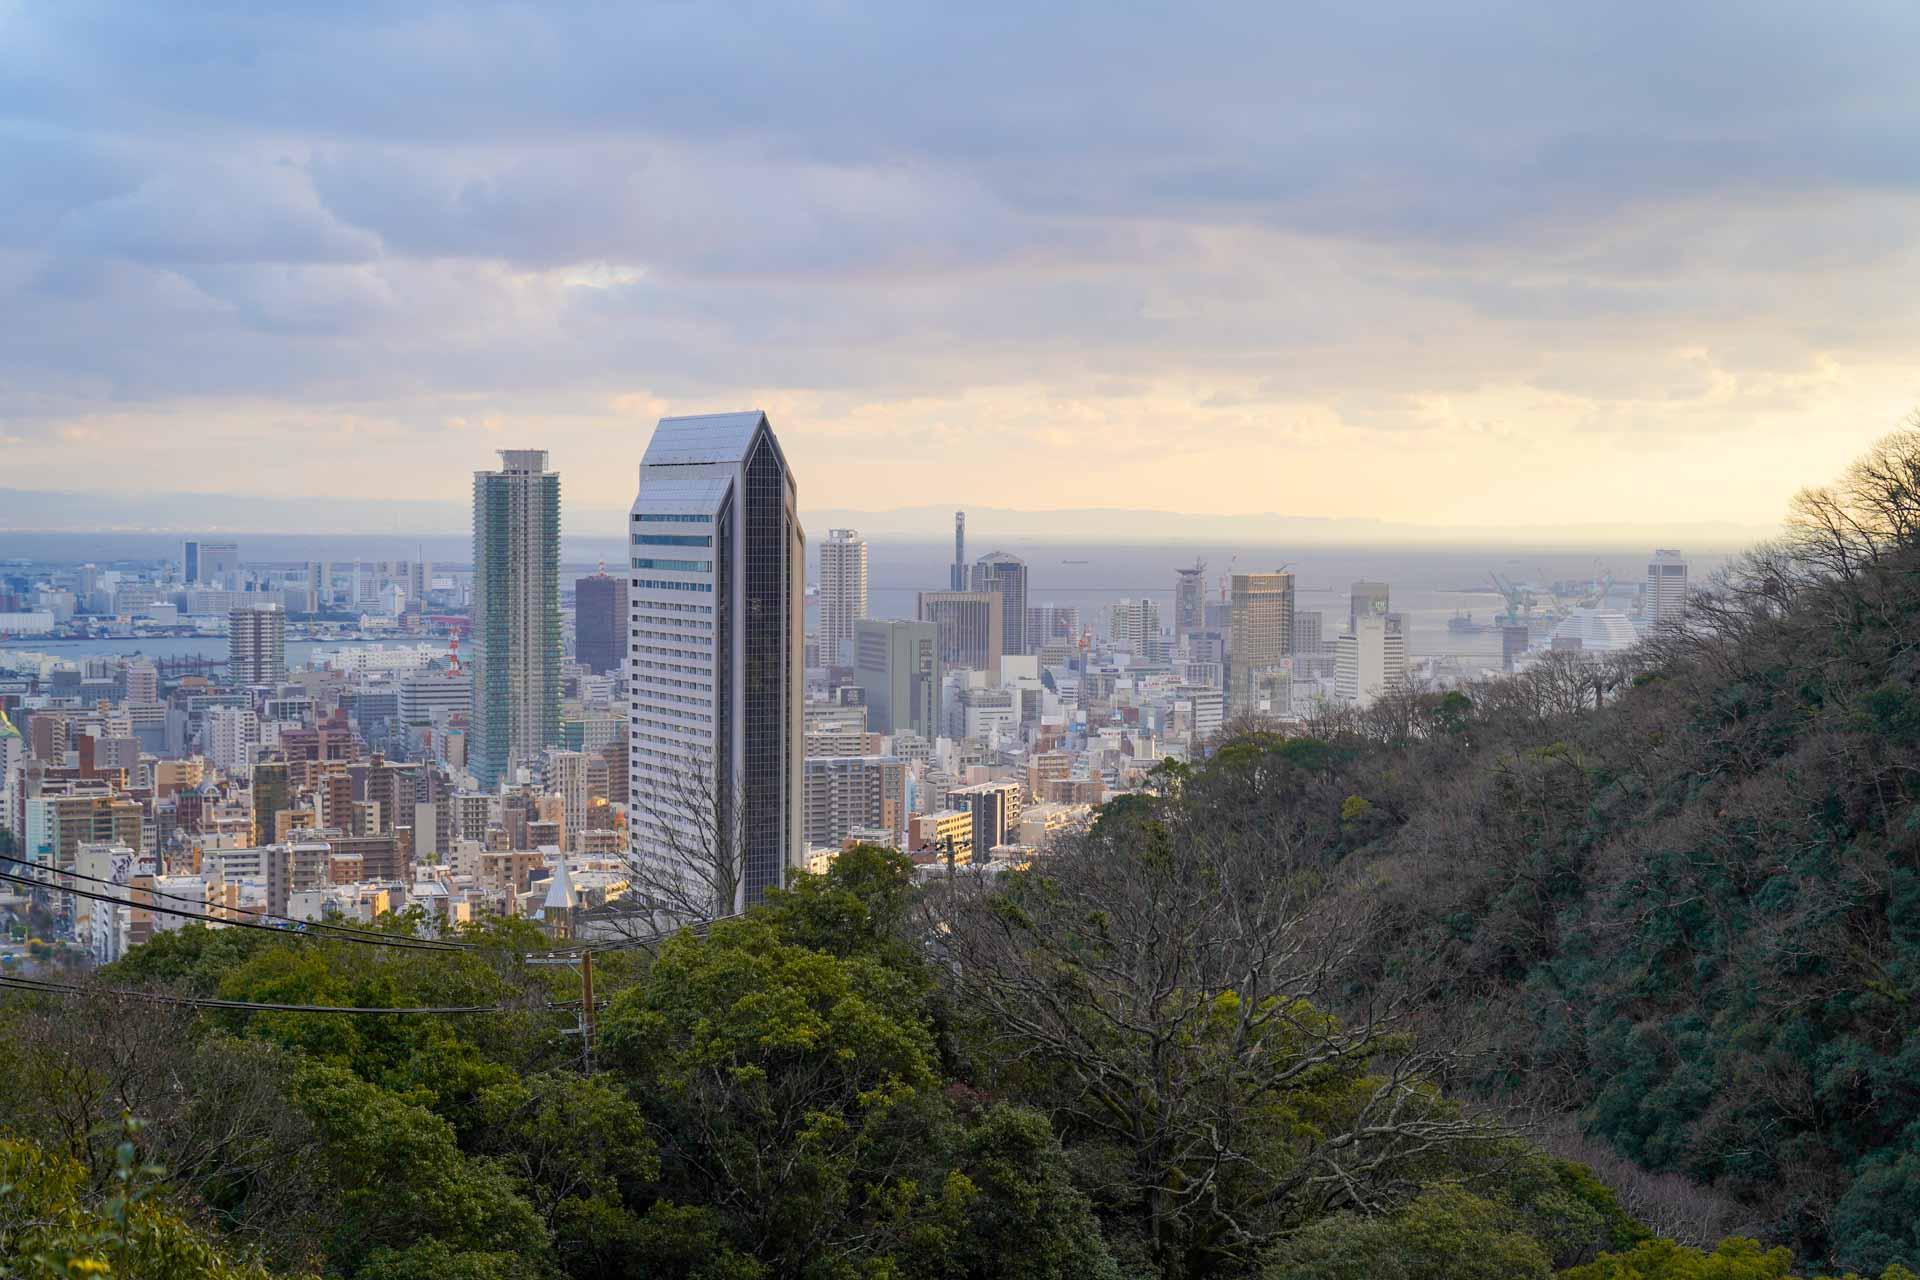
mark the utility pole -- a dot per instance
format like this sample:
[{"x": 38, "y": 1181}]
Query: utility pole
[{"x": 586, "y": 1009}]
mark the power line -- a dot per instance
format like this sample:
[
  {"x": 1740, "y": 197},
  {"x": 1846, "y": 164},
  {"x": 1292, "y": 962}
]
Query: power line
[
  {"x": 330, "y": 927},
  {"x": 19, "y": 983},
  {"x": 293, "y": 928}
]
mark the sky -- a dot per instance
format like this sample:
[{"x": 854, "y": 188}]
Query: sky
[{"x": 1472, "y": 264}]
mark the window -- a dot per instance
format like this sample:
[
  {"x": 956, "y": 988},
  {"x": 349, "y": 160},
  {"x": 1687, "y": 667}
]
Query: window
[
  {"x": 677, "y": 566},
  {"x": 650, "y": 517},
  {"x": 672, "y": 540}
]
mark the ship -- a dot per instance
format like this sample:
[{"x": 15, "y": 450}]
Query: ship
[{"x": 1464, "y": 624}]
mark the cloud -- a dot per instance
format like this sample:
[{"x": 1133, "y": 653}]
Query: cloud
[{"x": 1108, "y": 246}]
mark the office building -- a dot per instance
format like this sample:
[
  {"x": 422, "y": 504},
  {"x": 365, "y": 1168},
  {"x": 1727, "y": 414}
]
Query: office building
[
  {"x": 849, "y": 793},
  {"x": 1665, "y": 599},
  {"x": 1309, "y": 632},
  {"x": 431, "y": 697},
  {"x": 143, "y": 683},
  {"x": 257, "y": 645},
  {"x": 1052, "y": 624},
  {"x": 1370, "y": 660},
  {"x": 717, "y": 599},
  {"x": 1007, "y": 575},
  {"x": 516, "y": 614},
  {"x": 209, "y": 562},
  {"x": 957, "y": 576},
  {"x": 897, "y": 666},
  {"x": 843, "y": 593},
  {"x": 995, "y": 807},
  {"x": 600, "y": 623},
  {"x": 1189, "y": 602},
  {"x": 1260, "y": 633},
  {"x": 1136, "y": 629},
  {"x": 1366, "y": 598},
  {"x": 969, "y": 627}
]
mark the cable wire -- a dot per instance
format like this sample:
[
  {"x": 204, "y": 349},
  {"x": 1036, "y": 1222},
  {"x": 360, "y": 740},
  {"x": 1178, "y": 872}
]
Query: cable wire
[
  {"x": 20, "y": 983},
  {"x": 305, "y": 925}
]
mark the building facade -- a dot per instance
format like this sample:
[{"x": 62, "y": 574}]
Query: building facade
[
  {"x": 600, "y": 622},
  {"x": 257, "y": 645},
  {"x": 997, "y": 571},
  {"x": 516, "y": 614},
  {"x": 1259, "y": 634},
  {"x": 897, "y": 665},
  {"x": 843, "y": 593},
  {"x": 717, "y": 600},
  {"x": 968, "y": 624},
  {"x": 1665, "y": 599}
]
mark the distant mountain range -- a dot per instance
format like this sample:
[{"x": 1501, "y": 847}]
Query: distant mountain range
[{"x": 42, "y": 511}]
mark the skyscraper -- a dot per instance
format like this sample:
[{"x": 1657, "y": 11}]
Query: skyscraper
[
  {"x": 897, "y": 665},
  {"x": 998, "y": 571},
  {"x": 600, "y": 622},
  {"x": 1366, "y": 598},
  {"x": 843, "y": 593},
  {"x": 516, "y": 614},
  {"x": 1666, "y": 595},
  {"x": 957, "y": 576},
  {"x": 1136, "y": 628},
  {"x": 1260, "y": 633},
  {"x": 968, "y": 624},
  {"x": 1189, "y": 602},
  {"x": 1370, "y": 660},
  {"x": 257, "y": 644},
  {"x": 718, "y": 611},
  {"x": 208, "y": 562}
]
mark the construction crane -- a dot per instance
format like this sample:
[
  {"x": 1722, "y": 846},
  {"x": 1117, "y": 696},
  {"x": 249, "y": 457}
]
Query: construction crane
[{"x": 1520, "y": 599}]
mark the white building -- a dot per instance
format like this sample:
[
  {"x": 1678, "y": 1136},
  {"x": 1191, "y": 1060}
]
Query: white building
[
  {"x": 1595, "y": 631},
  {"x": 1665, "y": 599},
  {"x": 232, "y": 736},
  {"x": 1370, "y": 660},
  {"x": 716, "y": 648},
  {"x": 843, "y": 593}
]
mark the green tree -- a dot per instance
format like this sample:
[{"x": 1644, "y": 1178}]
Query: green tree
[{"x": 50, "y": 1227}]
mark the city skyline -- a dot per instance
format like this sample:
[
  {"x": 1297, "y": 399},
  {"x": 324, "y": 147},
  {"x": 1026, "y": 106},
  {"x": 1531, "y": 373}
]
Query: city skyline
[{"x": 1427, "y": 302}]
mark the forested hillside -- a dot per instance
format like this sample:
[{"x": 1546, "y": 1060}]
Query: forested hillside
[{"x": 1328, "y": 1007}]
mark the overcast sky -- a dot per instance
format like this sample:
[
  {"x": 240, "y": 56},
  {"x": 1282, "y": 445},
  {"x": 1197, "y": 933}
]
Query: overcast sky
[{"x": 1466, "y": 264}]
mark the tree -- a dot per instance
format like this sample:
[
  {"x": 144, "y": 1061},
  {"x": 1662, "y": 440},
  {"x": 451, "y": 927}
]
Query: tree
[
  {"x": 689, "y": 842},
  {"x": 50, "y": 1227},
  {"x": 1153, "y": 987}
]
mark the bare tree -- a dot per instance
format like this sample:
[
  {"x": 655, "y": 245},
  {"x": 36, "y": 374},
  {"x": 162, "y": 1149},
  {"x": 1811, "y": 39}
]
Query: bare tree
[
  {"x": 1162, "y": 986},
  {"x": 688, "y": 841}
]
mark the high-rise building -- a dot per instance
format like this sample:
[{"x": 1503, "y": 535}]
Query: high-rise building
[
  {"x": 847, "y": 793},
  {"x": 143, "y": 683},
  {"x": 272, "y": 792},
  {"x": 516, "y": 614},
  {"x": 1189, "y": 602},
  {"x": 600, "y": 622},
  {"x": 843, "y": 593},
  {"x": 897, "y": 665},
  {"x": 257, "y": 645},
  {"x": 1666, "y": 594},
  {"x": 969, "y": 626},
  {"x": 1136, "y": 628},
  {"x": 1260, "y": 633},
  {"x": 1309, "y": 632},
  {"x": 957, "y": 576},
  {"x": 208, "y": 562},
  {"x": 1366, "y": 598},
  {"x": 1052, "y": 624},
  {"x": 1371, "y": 660},
  {"x": 718, "y": 600},
  {"x": 998, "y": 571}
]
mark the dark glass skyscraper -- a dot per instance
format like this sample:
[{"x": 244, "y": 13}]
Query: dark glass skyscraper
[
  {"x": 717, "y": 607},
  {"x": 1006, "y": 574},
  {"x": 600, "y": 622}
]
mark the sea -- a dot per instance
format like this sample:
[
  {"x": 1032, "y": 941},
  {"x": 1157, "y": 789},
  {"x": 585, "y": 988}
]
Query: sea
[{"x": 1430, "y": 585}]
